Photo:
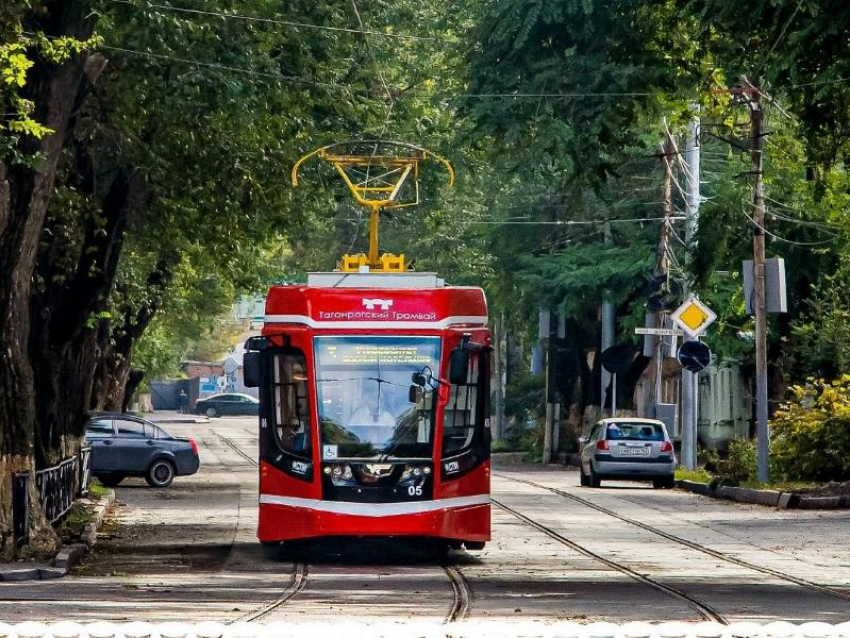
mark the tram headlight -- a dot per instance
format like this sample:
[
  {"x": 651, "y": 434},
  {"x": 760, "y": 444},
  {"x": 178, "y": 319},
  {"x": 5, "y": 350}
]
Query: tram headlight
[{"x": 327, "y": 469}]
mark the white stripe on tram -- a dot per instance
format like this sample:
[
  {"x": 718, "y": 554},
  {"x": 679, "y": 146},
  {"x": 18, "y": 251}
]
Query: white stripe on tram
[
  {"x": 375, "y": 509},
  {"x": 394, "y": 325}
]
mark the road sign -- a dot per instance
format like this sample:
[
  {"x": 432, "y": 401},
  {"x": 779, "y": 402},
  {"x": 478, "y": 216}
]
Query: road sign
[
  {"x": 661, "y": 332},
  {"x": 694, "y": 356},
  {"x": 617, "y": 359},
  {"x": 693, "y": 317}
]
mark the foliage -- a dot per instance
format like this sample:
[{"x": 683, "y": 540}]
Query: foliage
[
  {"x": 739, "y": 465},
  {"x": 811, "y": 433},
  {"x": 821, "y": 335}
]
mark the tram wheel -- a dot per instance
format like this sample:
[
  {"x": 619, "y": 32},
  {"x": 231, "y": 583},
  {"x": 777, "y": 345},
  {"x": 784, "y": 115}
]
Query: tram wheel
[{"x": 474, "y": 545}]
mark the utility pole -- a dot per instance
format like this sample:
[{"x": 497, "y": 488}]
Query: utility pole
[
  {"x": 759, "y": 297},
  {"x": 607, "y": 340},
  {"x": 499, "y": 365},
  {"x": 550, "y": 408},
  {"x": 663, "y": 257},
  {"x": 690, "y": 387}
]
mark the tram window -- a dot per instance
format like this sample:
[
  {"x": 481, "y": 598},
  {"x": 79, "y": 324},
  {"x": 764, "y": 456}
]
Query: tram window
[
  {"x": 460, "y": 419},
  {"x": 292, "y": 406}
]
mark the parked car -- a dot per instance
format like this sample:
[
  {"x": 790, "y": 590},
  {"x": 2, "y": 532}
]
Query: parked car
[
  {"x": 628, "y": 449},
  {"x": 124, "y": 445},
  {"x": 228, "y": 404}
]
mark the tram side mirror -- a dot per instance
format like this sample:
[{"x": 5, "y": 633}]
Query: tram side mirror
[
  {"x": 458, "y": 366},
  {"x": 420, "y": 379},
  {"x": 251, "y": 369},
  {"x": 414, "y": 394}
]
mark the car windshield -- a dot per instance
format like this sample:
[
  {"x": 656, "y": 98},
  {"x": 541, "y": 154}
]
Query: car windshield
[
  {"x": 635, "y": 432},
  {"x": 363, "y": 396}
]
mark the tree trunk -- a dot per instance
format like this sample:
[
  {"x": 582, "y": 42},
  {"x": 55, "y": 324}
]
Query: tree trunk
[{"x": 25, "y": 193}]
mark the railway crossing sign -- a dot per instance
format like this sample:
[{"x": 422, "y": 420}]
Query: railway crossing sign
[
  {"x": 693, "y": 317},
  {"x": 694, "y": 356}
]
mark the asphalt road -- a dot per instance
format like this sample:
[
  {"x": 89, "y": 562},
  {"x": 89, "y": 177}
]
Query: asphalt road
[{"x": 624, "y": 552}]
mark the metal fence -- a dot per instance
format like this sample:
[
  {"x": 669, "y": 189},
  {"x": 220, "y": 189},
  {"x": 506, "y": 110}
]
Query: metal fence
[
  {"x": 57, "y": 487},
  {"x": 419, "y": 629}
]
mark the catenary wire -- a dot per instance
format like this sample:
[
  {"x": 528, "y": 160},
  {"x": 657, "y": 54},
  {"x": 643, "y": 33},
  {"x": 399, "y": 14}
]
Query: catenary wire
[{"x": 288, "y": 23}]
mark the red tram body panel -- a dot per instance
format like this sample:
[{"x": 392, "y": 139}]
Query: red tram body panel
[{"x": 364, "y": 431}]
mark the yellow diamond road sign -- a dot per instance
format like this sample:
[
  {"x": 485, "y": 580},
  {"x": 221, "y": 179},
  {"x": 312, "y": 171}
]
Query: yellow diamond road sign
[{"x": 693, "y": 317}]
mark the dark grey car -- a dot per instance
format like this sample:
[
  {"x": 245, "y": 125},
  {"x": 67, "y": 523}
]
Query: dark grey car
[{"x": 124, "y": 445}]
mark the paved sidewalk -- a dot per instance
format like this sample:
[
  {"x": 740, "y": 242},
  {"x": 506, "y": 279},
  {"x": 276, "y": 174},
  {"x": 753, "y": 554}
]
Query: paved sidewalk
[{"x": 172, "y": 416}]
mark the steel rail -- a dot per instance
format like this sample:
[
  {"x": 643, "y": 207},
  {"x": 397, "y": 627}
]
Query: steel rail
[
  {"x": 704, "y": 610},
  {"x": 299, "y": 574},
  {"x": 462, "y": 595},
  {"x": 802, "y": 582},
  {"x": 299, "y": 581}
]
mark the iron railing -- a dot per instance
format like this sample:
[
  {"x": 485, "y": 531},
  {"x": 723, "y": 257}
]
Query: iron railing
[{"x": 56, "y": 486}]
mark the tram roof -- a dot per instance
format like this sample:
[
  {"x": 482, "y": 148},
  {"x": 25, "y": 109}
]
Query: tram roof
[{"x": 396, "y": 280}]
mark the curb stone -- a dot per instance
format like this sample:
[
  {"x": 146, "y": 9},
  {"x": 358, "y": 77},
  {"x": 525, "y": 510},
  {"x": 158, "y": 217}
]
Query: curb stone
[
  {"x": 68, "y": 556},
  {"x": 770, "y": 498}
]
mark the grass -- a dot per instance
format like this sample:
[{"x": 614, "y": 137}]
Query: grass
[
  {"x": 96, "y": 490},
  {"x": 697, "y": 476}
]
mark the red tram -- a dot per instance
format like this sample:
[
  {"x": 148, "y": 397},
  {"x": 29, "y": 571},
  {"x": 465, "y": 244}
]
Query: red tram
[{"x": 374, "y": 415}]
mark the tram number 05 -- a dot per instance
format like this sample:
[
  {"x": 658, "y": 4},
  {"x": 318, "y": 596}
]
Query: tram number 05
[{"x": 414, "y": 490}]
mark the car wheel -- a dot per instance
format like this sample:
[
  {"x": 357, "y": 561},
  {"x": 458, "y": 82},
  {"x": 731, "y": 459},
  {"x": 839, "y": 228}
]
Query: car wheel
[
  {"x": 160, "y": 473},
  {"x": 211, "y": 413},
  {"x": 664, "y": 483},
  {"x": 593, "y": 479},
  {"x": 110, "y": 480},
  {"x": 582, "y": 477}
]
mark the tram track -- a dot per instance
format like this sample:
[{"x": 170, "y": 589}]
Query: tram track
[
  {"x": 707, "y": 612},
  {"x": 801, "y": 582},
  {"x": 299, "y": 581},
  {"x": 461, "y": 593},
  {"x": 462, "y": 602}
]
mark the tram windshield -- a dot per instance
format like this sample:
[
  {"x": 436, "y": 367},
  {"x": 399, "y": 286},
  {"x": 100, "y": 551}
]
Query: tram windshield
[{"x": 363, "y": 396}]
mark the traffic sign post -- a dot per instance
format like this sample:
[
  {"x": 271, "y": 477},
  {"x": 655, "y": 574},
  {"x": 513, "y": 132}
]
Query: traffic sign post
[
  {"x": 694, "y": 318},
  {"x": 694, "y": 356}
]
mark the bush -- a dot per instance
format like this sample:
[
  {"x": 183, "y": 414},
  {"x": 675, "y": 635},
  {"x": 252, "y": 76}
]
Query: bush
[
  {"x": 708, "y": 459},
  {"x": 810, "y": 435},
  {"x": 740, "y": 466}
]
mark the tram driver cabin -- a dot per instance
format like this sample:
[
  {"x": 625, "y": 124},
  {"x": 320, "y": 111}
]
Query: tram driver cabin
[{"x": 374, "y": 412}]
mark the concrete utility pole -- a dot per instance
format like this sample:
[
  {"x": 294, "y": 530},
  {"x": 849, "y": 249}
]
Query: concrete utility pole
[
  {"x": 499, "y": 365},
  {"x": 759, "y": 297},
  {"x": 690, "y": 386},
  {"x": 607, "y": 338},
  {"x": 550, "y": 408}
]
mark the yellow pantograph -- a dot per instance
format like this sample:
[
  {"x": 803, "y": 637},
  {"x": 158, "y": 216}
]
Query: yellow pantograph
[{"x": 380, "y": 175}]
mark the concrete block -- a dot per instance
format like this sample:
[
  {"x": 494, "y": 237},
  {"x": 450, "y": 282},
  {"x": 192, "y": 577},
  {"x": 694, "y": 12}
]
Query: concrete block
[
  {"x": 49, "y": 573},
  {"x": 758, "y": 497},
  {"x": 70, "y": 556},
  {"x": 725, "y": 491},
  {"x": 788, "y": 501},
  {"x": 748, "y": 495},
  {"x": 11, "y": 573},
  {"x": 696, "y": 488},
  {"x": 820, "y": 502}
]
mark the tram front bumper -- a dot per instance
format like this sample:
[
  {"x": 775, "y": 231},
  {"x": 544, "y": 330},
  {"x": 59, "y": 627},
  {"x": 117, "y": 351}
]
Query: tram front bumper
[{"x": 465, "y": 518}]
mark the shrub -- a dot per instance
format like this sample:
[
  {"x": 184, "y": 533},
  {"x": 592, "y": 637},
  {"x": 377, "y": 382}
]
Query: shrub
[
  {"x": 810, "y": 435},
  {"x": 740, "y": 465}
]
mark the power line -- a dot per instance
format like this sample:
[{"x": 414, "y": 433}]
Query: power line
[
  {"x": 288, "y": 23},
  {"x": 803, "y": 244}
]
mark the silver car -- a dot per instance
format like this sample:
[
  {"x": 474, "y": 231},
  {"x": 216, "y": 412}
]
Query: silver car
[{"x": 628, "y": 449}]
